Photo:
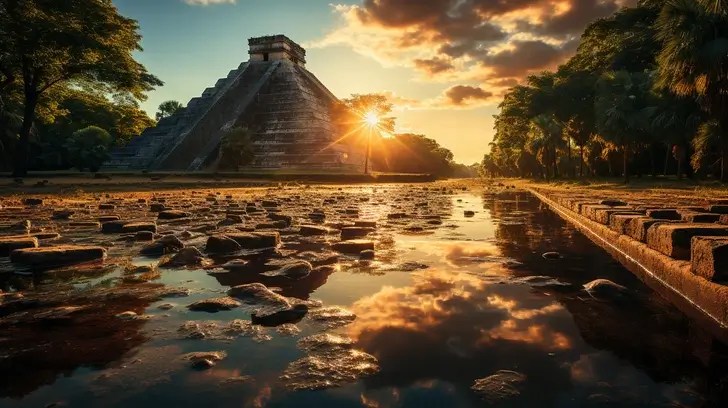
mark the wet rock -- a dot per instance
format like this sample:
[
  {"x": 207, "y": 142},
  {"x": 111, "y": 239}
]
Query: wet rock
[
  {"x": 62, "y": 214},
  {"x": 9, "y": 244},
  {"x": 502, "y": 385},
  {"x": 367, "y": 255},
  {"x": 189, "y": 256},
  {"x": 551, "y": 256},
  {"x": 313, "y": 230},
  {"x": 172, "y": 215},
  {"x": 157, "y": 207},
  {"x": 139, "y": 226},
  {"x": 257, "y": 294},
  {"x": 284, "y": 221},
  {"x": 214, "y": 305},
  {"x": 365, "y": 224},
  {"x": 288, "y": 329},
  {"x": 112, "y": 227},
  {"x": 290, "y": 316},
  {"x": 604, "y": 288},
  {"x": 354, "y": 247},
  {"x": 166, "y": 245},
  {"x": 331, "y": 362},
  {"x": 294, "y": 270},
  {"x": 220, "y": 244},
  {"x": 55, "y": 256},
  {"x": 144, "y": 236},
  {"x": 128, "y": 315},
  {"x": 332, "y": 316},
  {"x": 355, "y": 232},
  {"x": 319, "y": 258},
  {"x": 204, "y": 360},
  {"x": 256, "y": 240}
]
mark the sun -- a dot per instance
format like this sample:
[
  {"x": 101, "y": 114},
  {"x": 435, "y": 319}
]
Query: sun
[{"x": 371, "y": 119}]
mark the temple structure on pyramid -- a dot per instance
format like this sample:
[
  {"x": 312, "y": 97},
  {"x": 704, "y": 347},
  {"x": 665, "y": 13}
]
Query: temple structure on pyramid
[{"x": 286, "y": 108}]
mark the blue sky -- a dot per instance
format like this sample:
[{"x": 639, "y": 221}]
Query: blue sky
[{"x": 444, "y": 64}]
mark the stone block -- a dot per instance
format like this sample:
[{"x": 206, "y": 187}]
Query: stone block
[
  {"x": 604, "y": 216},
  {"x": 718, "y": 209},
  {"x": 700, "y": 217},
  {"x": 9, "y": 244},
  {"x": 62, "y": 255},
  {"x": 618, "y": 222},
  {"x": 709, "y": 257},
  {"x": 637, "y": 227},
  {"x": 674, "y": 240},
  {"x": 665, "y": 214}
]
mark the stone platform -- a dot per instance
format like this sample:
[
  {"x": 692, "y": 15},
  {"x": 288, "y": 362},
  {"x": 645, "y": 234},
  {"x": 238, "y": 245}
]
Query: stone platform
[{"x": 680, "y": 250}]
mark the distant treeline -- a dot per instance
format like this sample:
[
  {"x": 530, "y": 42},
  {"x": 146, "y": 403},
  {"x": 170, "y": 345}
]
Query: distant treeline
[{"x": 646, "y": 93}]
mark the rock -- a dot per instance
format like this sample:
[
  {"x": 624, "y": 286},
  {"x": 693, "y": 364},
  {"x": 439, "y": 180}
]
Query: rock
[
  {"x": 355, "y": 232},
  {"x": 674, "y": 240},
  {"x": 367, "y": 255},
  {"x": 284, "y": 220},
  {"x": 165, "y": 245},
  {"x": 204, "y": 360},
  {"x": 189, "y": 256},
  {"x": 157, "y": 207},
  {"x": 107, "y": 206},
  {"x": 613, "y": 203},
  {"x": 709, "y": 257},
  {"x": 290, "y": 316},
  {"x": 551, "y": 256},
  {"x": 354, "y": 247},
  {"x": 112, "y": 227},
  {"x": 469, "y": 214},
  {"x": 259, "y": 294},
  {"x": 62, "y": 214},
  {"x": 128, "y": 315},
  {"x": 313, "y": 230},
  {"x": 214, "y": 305},
  {"x": 604, "y": 288},
  {"x": 172, "y": 215},
  {"x": 144, "y": 236},
  {"x": 139, "y": 226},
  {"x": 256, "y": 240},
  {"x": 9, "y": 244},
  {"x": 504, "y": 384},
  {"x": 33, "y": 201},
  {"x": 295, "y": 270},
  {"x": 63, "y": 255},
  {"x": 220, "y": 244}
]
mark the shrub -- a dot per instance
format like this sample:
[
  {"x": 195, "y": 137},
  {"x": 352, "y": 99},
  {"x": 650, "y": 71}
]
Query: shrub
[{"x": 88, "y": 148}]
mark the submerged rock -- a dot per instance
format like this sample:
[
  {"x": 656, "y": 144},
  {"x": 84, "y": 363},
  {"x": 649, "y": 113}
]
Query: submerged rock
[
  {"x": 604, "y": 288},
  {"x": 284, "y": 317},
  {"x": 502, "y": 385},
  {"x": 62, "y": 255},
  {"x": 257, "y": 294},
  {"x": 204, "y": 360},
  {"x": 332, "y": 316},
  {"x": 189, "y": 256},
  {"x": 165, "y": 245},
  {"x": 257, "y": 240},
  {"x": 354, "y": 246},
  {"x": 220, "y": 244},
  {"x": 214, "y": 305},
  {"x": 551, "y": 256},
  {"x": 331, "y": 362},
  {"x": 295, "y": 270}
]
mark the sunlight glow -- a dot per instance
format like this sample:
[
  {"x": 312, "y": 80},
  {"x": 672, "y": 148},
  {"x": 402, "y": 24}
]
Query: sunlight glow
[{"x": 371, "y": 119}]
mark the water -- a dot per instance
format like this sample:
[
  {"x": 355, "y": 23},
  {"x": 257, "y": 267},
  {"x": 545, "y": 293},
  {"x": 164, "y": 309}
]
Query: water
[{"x": 438, "y": 309}]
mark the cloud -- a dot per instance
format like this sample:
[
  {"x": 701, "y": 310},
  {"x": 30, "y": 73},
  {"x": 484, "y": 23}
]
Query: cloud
[
  {"x": 209, "y": 2},
  {"x": 461, "y": 94},
  {"x": 494, "y": 43}
]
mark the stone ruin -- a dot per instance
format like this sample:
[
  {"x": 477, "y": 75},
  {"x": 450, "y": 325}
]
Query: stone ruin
[{"x": 285, "y": 106}]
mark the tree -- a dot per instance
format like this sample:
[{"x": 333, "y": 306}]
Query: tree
[
  {"x": 545, "y": 137},
  {"x": 88, "y": 148},
  {"x": 168, "y": 108},
  {"x": 693, "y": 61},
  {"x": 46, "y": 43},
  {"x": 236, "y": 149},
  {"x": 622, "y": 111}
]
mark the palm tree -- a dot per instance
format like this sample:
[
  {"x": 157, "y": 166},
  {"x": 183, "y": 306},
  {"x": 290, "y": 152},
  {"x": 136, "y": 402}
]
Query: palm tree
[
  {"x": 544, "y": 138},
  {"x": 694, "y": 59}
]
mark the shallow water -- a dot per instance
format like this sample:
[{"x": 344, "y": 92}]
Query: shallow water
[{"x": 438, "y": 309}]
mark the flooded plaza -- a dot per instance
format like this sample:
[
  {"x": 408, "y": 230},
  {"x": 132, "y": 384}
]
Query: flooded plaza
[{"x": 428, "y": 295}]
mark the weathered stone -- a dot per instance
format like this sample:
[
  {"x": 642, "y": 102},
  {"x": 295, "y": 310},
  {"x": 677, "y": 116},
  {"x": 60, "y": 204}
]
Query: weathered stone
[
  {"x": 604, "y": 288},
  {"x": 157, "y": 207},
  {"x": 139, "y": 226},
  {"x": 674, "y": 240},
  {"x": 664, "y": 214},
  {"x": 355, "y": 232},
  {"x": 697, "y": 217},
  {"x": 112, "y": 227},
  {"x": 637, "y": 227},
  {"x": 259, "y": 294},
  {"x": 144, "y": 236},
  {"x": 189, "y": 256},
  {"x": 709, "y": 256},
  {"x": 365, "y": 224},
  {"x": 214, "y": 305},
  {"x": 313, "y": 230},
  {"x": 613, "y": 203},
  {"x": 165, "y": 245},
  {"x": 33, "y": 201},
  {"x": 220, "y": 244},
  {"x": 368, "y": 254},
  {"x": 256, "y": 240},
  {"x": 718, "y": 209},
  {"x": 62, "y": 214},
  {"x": 63, "y": 255},
  {"x": 619, "y": 222},
  {"x": 354, "y": 247},
  {"x": 294, "y": 270},
  {"x": 9, "y": 244},
  {"x": 604, "y": 216},
  {"x": 172, "y": 215}
]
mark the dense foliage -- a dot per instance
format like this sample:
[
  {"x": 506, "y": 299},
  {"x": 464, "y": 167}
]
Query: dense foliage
[
  {"x": 46, "y": 45},
  {"x": 88, "y": 148},
  {"x": 646, "y": 91}
]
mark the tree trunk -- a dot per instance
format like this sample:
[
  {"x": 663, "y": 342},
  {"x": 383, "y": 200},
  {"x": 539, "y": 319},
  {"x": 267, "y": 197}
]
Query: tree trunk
[
  {"x": 20, "y": 168},
  {"x": 555, "y": 163},
  {"x": 667, "y": 160},
  {"x": 581, "y": 161},
  {"x": 625, "y": 164},
  {"x": 679, "y": 167},
  {"x": 653, "y": 165},
  {"x": 571, "y": 164}
]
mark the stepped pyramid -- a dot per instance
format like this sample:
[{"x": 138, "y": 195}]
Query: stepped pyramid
[{"x": 285, "y": 106}]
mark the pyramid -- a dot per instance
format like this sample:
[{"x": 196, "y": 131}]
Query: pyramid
[{"x": 286, "y": 108}]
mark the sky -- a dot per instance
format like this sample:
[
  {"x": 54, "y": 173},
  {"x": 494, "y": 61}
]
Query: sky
[{"x": 443, "y": 63}]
